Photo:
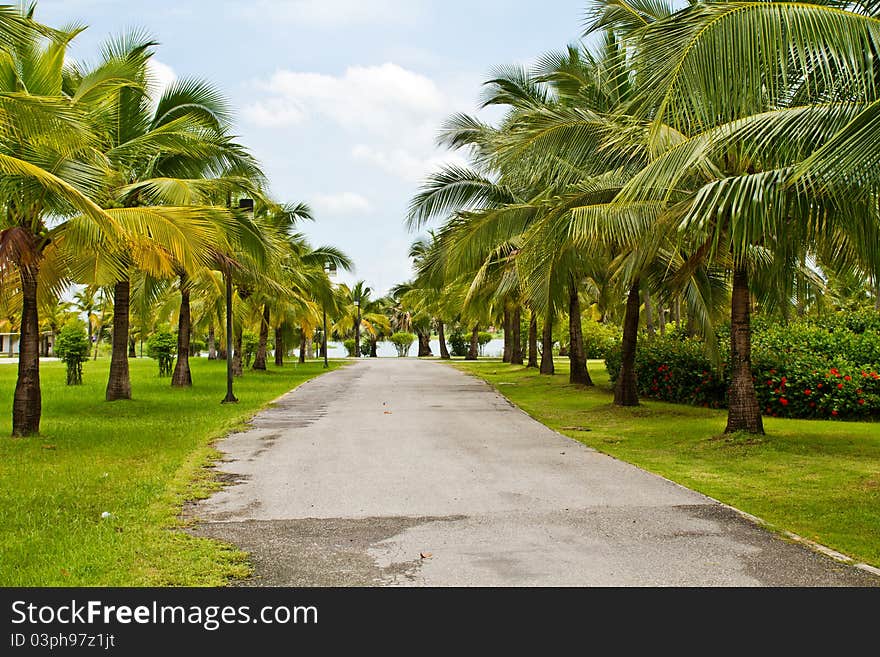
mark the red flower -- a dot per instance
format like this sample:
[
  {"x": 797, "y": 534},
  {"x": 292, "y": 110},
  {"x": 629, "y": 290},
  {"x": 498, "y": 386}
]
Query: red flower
[
  {"x": 847, "y": 378},
  {"x": 859, "y": 391},
  {"x": 783, "y": 401},
  {"x": 834, "y": 412},
  {"x": 861, "y": 402},
  {"x": 783, "y": 380},
  {"x": 820, "y": 385},
  {"x": 808, "y": 392},
  {"x": 772, "y": 371},
  {"x": 769, "y": 383},
  {"x": 834, "y": 371},
  {"x": 812, "y": 404},
  {"x": 839, "y": 386}
]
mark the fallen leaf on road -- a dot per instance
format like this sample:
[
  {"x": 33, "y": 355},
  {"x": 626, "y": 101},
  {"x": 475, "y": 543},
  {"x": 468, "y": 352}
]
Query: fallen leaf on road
[
  {"x": 387, "y": 412},
  {"x": 425, "y": 555}
]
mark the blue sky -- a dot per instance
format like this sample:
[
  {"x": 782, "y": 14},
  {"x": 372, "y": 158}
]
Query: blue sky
[{"x": 339, "y": 99}]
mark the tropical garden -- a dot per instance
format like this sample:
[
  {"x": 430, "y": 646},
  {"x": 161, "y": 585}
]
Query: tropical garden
[
  {"x": 689, "y": 194},
  {"x": 681, "y": 207},
  {"x": 137, "y": 233}
]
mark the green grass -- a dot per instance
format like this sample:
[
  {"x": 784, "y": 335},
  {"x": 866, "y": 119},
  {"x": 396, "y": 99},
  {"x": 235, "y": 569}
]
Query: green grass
[
  {"x": 819, "y": 479},
  {"x": 140, "y": 460}
]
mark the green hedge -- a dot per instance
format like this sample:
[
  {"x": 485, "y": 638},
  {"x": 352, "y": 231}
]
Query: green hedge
[{"x": 806, "y": 369}]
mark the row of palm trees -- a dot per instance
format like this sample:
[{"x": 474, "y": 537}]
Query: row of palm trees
[
  {"x": 109, "y": 182},
  {"x": 688, "y": 160}
]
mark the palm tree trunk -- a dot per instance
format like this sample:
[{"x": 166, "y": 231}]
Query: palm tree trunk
[
  {"x": 533, "y": 339},
  {"x": 474, "y": 350},
  {"x": 743, "y": 412},
  {"x": 626, "y": 391},
  {"x": 577, "y": 359},
  {"x": 374, "y": 347},
  {"x": 441, "y": 335},
  {"x": 547, "y": 366},
  {"x": 119, "y": 384},
  {"x": 212, "y": 344},
  {"x": 260, "y": 360},
  {"x": 132, "y": 348},
  {"x": 425, "y": 344},
  {"x": 302, "y": 347},
  {"x": 662, "y": 314},
  {"x": 508, "y": 341},
  {"x": 279, "y": 347},
  {"x": 516, "y": 353},
  {"x": 182, "y": 377},
  {"x": 649, "y": 314},
  {"x": 237, "y": 369},
  {"x": 27, "y": 403}
]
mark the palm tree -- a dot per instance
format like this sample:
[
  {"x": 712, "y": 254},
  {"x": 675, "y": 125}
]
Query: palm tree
[{"x": 49, "y": 168}]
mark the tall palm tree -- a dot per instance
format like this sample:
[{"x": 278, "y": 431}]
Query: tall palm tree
[{"x": 49, "y": 169}]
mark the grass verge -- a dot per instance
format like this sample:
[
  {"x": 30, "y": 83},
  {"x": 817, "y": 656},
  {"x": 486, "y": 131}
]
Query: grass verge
[
  {"x": 139, "y": 460},
  {"x": 819, "y": 479}
]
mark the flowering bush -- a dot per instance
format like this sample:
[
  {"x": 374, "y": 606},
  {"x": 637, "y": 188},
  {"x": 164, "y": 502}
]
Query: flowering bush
[{"x": 809, "y": 369}]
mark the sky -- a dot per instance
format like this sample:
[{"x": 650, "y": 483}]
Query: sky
[{"x": 340, "y": 100}]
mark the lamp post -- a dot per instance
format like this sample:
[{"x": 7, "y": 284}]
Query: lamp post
[
  {"x": 330, "y": 270},
  {"x": 357, "y": 329}
]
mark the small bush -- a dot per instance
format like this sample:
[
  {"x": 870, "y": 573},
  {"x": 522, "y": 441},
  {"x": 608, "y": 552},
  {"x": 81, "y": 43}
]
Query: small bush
[
  {"x": 349, "y": 347},
  {"x": 483, "y": 338},
  {"x": 249, "y": 344},
  {"x": 402, "y": 342},
  {"x": 458, "y": 344},
  {"x": 600, "y": 339},
  {"x": 162, "y": 346},
  {"x": 196, "y": 347},
  {"x": 73, "y": 347}
]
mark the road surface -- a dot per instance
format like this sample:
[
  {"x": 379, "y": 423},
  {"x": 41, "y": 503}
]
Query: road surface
[{"x": 411, "y": 473}]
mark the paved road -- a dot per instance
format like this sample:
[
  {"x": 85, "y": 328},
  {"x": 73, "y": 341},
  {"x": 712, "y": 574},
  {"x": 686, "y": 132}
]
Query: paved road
[{"x": 406, "y": 472}]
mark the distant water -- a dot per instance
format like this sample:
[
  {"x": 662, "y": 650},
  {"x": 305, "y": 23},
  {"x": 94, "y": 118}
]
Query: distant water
[{"x": 494, "y": 349}]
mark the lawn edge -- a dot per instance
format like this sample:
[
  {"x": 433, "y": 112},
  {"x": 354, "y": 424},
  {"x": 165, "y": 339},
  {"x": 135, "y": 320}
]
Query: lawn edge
[{"x": 784, "y": 534}]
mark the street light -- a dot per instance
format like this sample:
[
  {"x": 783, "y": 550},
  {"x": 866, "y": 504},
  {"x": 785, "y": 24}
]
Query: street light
[
  {"x": 330, "y": 270},
  {"x": 357, "y": 330}
]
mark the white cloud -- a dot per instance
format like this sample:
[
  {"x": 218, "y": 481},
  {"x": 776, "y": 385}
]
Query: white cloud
[
  {"x": 161, "y": 75},
  {"x": 404, "y": 164},
  {"x": 373, "y": 98},
  {"x": 332, "y": 13},
  {"x": 392, "y": 114},
  {"x": 341, "y": 204}
]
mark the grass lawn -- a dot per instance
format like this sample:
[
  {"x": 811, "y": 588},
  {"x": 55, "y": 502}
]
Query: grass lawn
[
  {"x": 819, "y": 479},
  {"x": 138, "y": 460}
]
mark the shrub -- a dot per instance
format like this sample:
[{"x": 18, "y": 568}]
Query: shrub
[
  {"x": 600, "y": 339},
  {"x": 483, "y": 338},
  {"x": 365, "y": 345},
  {"x": 249, "y": 344},
  {"x": 349, "y": 347},
  {"x": 196, "y": 347},
  {"x": 402, "y": 342},
  {"x": 73, "y": 347},
  {"x": 162, "y": 346},
  {"x": 458, "y": 344},
  {"x": 806, "y": 369}
]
